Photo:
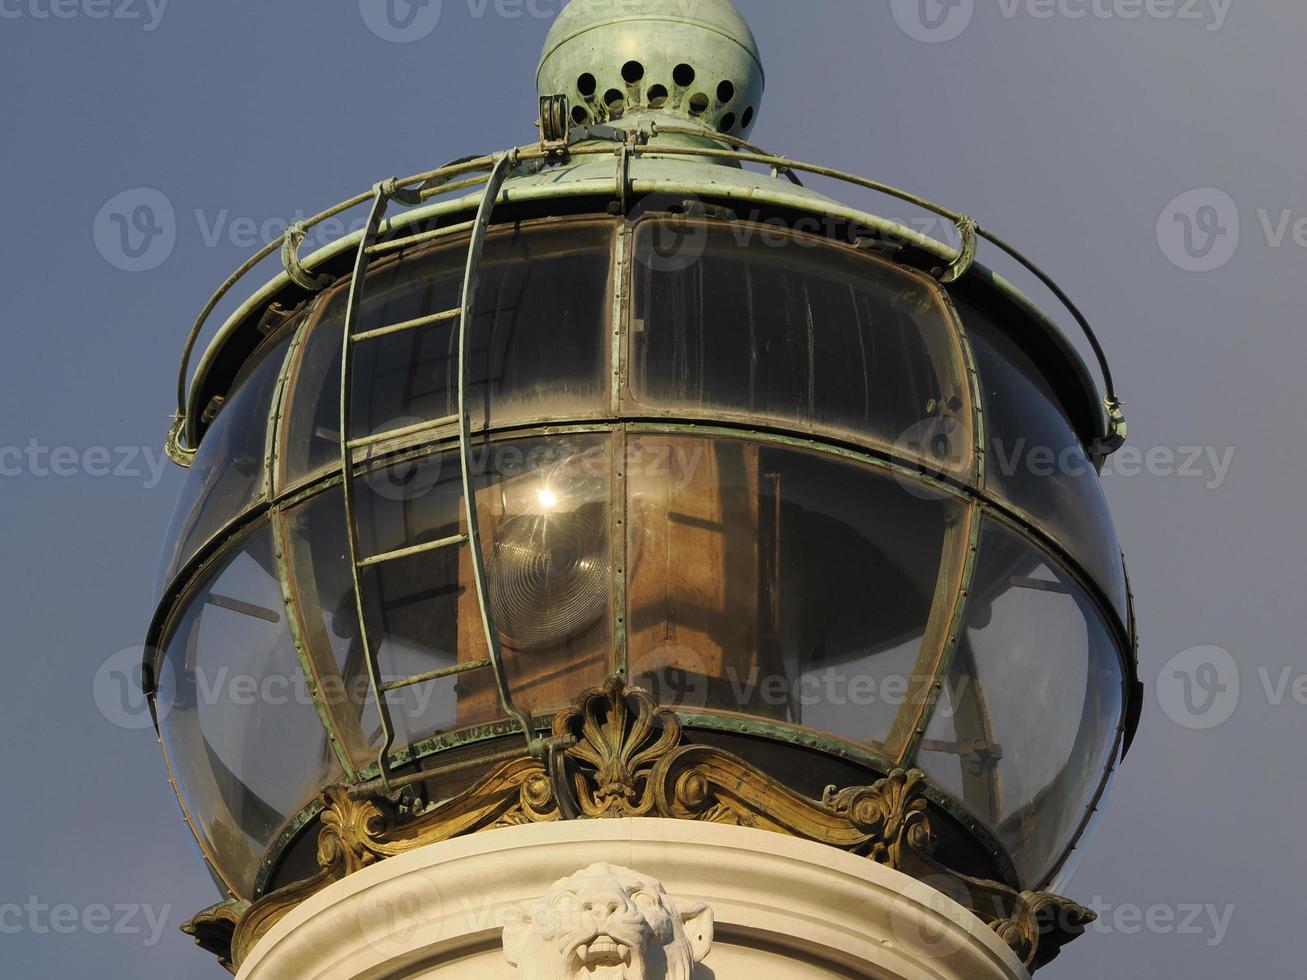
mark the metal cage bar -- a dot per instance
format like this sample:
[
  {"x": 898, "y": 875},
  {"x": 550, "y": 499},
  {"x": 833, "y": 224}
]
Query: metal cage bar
[
  {"x": 361, "y": 564},
  {"x": 442, "y": 181}
]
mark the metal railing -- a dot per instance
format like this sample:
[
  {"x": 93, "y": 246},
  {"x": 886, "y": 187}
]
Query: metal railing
[{"x": 599, "y": 140}]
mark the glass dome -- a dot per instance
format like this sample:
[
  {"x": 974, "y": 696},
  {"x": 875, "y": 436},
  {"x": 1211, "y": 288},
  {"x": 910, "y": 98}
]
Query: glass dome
[{"x": 786, "y": 485}]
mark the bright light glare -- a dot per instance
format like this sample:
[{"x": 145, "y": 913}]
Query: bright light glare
[{"x": 548, "y": 499}]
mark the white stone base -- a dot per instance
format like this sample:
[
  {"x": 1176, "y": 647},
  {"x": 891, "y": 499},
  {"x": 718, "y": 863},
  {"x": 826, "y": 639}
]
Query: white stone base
[{"x": 786, "y": 909}]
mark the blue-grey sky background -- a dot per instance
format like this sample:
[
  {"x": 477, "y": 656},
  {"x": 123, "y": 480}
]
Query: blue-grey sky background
[{"x": 1072, "y": 135}]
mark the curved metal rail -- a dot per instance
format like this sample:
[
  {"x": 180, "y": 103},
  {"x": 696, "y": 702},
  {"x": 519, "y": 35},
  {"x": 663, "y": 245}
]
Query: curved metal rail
[
  {"x": 597, "y": 140},
  {"x": 362, "y": 566}
]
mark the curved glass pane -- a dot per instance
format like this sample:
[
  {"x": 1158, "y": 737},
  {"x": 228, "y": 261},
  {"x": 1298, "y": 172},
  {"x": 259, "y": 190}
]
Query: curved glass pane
[
  {"x": 1035, "y": 461},
  {"x": 814, "y": 336},
  {"x": 783, "y": 584},
  {"x": 544, "y": 510},
  {"x": 539, "y": 342},
  {"x": 228, "y": 474},
  {"x": 1028, "y": 720},
  {"x": 244, "y": 740}
]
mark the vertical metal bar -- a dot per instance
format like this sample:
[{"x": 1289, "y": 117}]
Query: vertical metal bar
[
  {"x": 961, "y": 580},
  {"x": 290, "y": 598},
  {"x": 623, "y": 285},
  {"x": 944, "y": 664},
  {"x": 617, "y": 546},
  {"x": 352, "y": 308},
  {"x": 503, "y": 166}
]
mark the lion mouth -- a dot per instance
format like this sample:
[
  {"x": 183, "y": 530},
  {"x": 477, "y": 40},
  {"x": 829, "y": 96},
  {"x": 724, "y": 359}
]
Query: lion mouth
[{"x": 604, "y": 951}]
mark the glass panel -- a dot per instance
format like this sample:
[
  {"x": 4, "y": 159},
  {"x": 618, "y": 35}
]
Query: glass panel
[
  {"x": 1027, "y": 724},
  {"x": 810, "y": 335},
  {"x": 1036, "y": 461},
  {"x": 227, "y": 476},
  {"x": 324, "y": 589},
  {"x": 544, "y": 508},
  {"x": 540, "y": 342},
  {"x": 779, "y": 583},
  {"x": 244, "y": 740},
  {"x": 422, "y": 610}
]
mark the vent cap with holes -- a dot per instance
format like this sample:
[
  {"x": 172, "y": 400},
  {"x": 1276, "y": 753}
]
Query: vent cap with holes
[{"x": 696, "y": 62}]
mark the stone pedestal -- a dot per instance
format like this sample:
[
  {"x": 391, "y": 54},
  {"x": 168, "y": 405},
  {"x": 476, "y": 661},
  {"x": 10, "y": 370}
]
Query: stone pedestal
[{"x": 781, "y": 909}]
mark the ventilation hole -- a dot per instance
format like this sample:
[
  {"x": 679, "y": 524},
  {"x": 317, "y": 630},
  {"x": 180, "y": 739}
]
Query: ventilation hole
[
  {"x": 727, "y": 123},
  {"x": 699, "y": 104},
  {"x": 657, "y": 96},
  {"x": 633, "y": 72},
  {"x": 615, "y": 99},
  {"x": 579, "y": 115},
  {"x": 587, "y": 85},
  {"x": 748, "y": 118},
  {"x": 684, "y": 76},
  {"x": 725, "y": 92}
]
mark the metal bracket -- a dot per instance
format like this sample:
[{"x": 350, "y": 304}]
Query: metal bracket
[
  {"x": 969, "y": 230},
  {"x": 1117, "y": 430},
  {"x": 180, "y": 455},
  {"x": 290, "y": 260},
  {"x": 392, "y": 191},
  {"x": 554, "y": 124}
]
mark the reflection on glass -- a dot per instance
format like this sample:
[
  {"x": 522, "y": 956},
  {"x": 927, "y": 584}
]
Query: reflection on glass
[
  {"x": 544, "y": 511},
  {"x": 539, "y": 342},
  {"x": 804, "y": 333},
  {"x": 1028, "y": 720},
  {"x": 779, "y": 583},
  {"x": 227, "y": 475},
  {"x": 242, "y": 734},
  {"x": 1036, "y": 461}
]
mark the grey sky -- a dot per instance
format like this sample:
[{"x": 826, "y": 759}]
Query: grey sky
[{"x": 1069, "y": 134}]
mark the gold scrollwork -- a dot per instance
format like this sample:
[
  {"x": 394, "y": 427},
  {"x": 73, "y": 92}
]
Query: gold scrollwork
[{"x": 628, "y": 757}]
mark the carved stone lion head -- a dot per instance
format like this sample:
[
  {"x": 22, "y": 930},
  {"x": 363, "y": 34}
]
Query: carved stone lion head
[{"x": 607, "y": 923}]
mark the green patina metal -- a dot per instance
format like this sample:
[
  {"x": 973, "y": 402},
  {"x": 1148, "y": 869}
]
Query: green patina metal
[{"x": 620, "y": 127}]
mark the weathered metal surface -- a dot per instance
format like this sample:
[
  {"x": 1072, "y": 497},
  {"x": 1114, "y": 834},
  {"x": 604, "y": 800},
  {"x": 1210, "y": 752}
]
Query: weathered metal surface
[
  {"x": 668, "y": 169},
  {"x": 624, "y": 757}
]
